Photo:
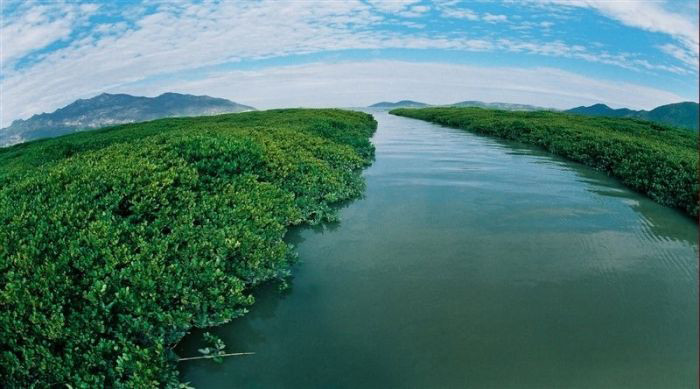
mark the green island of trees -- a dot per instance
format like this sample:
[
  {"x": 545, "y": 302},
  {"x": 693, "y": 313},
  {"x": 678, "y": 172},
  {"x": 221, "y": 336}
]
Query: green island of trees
[
  {"x": 114, "y": 243},
  {"x": 656, "y": 160}
]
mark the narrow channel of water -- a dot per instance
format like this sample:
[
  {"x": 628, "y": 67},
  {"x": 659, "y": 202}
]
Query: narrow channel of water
[{"x": 475, "y": 263}]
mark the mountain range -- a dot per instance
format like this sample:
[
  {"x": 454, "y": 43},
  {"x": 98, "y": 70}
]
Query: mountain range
[
  {"x": 400, "y": 104},
  {"x": 502, "y": 106},
  {"x": 683, "y": 114},
  {"x": 110, "y": 109},
  {"x": 480, "y": 104}
]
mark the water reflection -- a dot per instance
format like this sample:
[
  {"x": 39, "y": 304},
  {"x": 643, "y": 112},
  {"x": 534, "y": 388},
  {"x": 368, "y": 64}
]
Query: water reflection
[{"x": 662, "y": 221}]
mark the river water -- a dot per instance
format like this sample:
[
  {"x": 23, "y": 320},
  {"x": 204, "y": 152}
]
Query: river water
[{"x": 471, "y": 262}]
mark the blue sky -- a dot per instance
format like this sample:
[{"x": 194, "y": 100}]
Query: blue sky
[{"x": 555, "y": 53}]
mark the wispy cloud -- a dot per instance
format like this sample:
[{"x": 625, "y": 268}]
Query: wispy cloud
[
  {"x": 393, "y": 6},
  {"x": 494, "y": 18},
  {"x": 683, "y": 54},
  {"x": 454, "y": 9},
  {"x": 650, "y": 16},
  {"x": 39, "y": 25}
]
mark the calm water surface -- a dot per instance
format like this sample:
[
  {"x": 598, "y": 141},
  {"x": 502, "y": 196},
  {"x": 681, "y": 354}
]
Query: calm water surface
[{"x": 475, "y": 263}]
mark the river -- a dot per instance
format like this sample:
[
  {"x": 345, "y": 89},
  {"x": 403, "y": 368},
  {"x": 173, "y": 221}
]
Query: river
[{"x": 473, "y": 262}]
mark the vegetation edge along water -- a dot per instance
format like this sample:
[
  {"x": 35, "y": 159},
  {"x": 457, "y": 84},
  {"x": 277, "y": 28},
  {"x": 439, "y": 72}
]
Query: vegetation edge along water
[
  {"x": 116, "y": 242},
  {"x": 656, "y": 160}
]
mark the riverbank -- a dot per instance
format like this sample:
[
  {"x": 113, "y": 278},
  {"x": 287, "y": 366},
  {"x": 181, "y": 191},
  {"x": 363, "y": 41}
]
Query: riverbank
[
  {"x": 116, "y": 242},
  {"x": 658, "y": 161}
]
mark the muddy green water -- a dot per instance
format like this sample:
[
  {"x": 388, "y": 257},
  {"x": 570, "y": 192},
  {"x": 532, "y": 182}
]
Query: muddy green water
[{"x": 473, "y": 263}]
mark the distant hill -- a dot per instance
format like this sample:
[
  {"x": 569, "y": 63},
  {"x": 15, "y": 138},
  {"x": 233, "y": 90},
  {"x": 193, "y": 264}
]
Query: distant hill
[
  {"x": 399, "y": 104},
  {"x": 109, "y": 109},
  {"x": 480, "y": 104},
  {"x": 679, "y": 114},
  {"x": 602, "y": 110},
  {"x": 502, "y": 106},
  {"x": 683, "y": 114}
]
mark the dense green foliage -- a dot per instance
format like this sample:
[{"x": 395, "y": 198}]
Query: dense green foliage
[
  {"x": 114, "y": 243},
  {"x": 653, "y": 159}
]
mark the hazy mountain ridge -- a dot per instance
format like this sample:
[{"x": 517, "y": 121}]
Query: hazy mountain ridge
[
  {"x": 470, "y": 103},
  {"x": 110, "y": 109},
  {"x": 400, "y": 104},
  {"x": 502, "y": 106},
  {"x": 684, "y": 114}
]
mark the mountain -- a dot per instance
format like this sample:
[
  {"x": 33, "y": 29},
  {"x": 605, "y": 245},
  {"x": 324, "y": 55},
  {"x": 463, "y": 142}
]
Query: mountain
[
  {"x": 399, "y": 104},
  {"x": 502, "y": 106},
  {"x": 683, "y": 114},
  {"x": 603, "y": 110},
  {"x": 480, "y": 104},
  {"x": 109, "y": 109}
]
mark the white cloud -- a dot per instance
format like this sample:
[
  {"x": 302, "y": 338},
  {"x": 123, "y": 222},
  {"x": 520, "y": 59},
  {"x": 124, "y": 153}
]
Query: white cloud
[
  {"x": 392, "y": 6},
  {"x": 561, "y": 49},
  {"x": 682, "y": 54},
  {"x": 460, "y": 14},
  {"x": 494, "y": 18},
  {"x": 414, "y": 12},
  {"x": 452, "y": 9},
  {"x": 650, "y": 16},
  {"x": 38, "y": 25}
]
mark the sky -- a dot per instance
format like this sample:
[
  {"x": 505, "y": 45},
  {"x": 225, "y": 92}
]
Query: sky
[{"x": 350, "y": 53}]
